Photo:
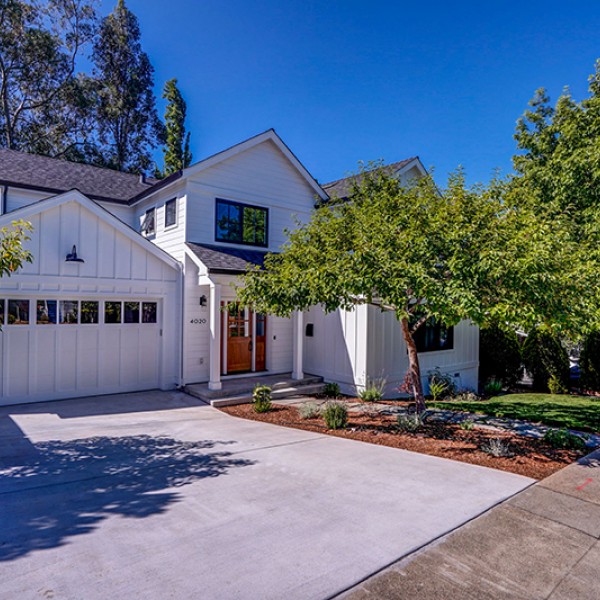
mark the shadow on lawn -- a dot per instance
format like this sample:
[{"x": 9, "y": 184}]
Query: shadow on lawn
[{"x": 60, "y": 489}]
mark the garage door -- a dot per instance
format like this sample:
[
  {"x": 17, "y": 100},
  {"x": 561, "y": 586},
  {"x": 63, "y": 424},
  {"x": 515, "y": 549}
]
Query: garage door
[{"x": 68, "y": 347}]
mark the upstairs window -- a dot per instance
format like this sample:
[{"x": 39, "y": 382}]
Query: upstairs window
[
  {"x": 239, "y": 223},
  {"x": 170, "y": 212},
  {"x": 149, "y": 223},
  {"x": 434, "y": 336}
]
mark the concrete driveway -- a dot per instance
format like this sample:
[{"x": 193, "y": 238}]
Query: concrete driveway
[{"x": 154, "y": 495}]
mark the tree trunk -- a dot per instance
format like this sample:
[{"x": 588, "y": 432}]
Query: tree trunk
[{"x": 413, "y": 366}]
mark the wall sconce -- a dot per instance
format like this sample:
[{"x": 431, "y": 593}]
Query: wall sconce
[
  {"x": 203, "y": 300},
  {"x": 73, "y": 256}
]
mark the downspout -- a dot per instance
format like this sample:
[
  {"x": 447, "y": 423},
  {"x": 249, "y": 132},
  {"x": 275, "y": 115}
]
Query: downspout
[
  {"x": 3, "y": 203},
  {"x": 181, "y": 321}
]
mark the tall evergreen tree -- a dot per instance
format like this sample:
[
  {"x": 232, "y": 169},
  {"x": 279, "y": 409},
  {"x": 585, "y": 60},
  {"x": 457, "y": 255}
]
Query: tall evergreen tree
[
  {"x": 43, "y": 105},
  {"x": 128, "y": 124},
  {"x": 177, "y": 142}
]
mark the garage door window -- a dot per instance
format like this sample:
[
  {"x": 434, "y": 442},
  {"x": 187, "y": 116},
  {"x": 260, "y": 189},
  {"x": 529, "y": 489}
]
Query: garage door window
[
  {"x": 89, "y": 313},
  {"x": 132, "y": 312},
  {"x": 46, "y": 312},
  {"x": 18, "y": 312},
  {"x": 1, "y": 312},
  {"x": 112, "y": 312},
  {"x": 148, "y": 312},
  {"x": 69, "y": 311}
]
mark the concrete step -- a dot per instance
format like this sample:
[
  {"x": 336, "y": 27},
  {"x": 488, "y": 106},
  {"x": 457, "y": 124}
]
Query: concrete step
[{"x": 278, "y": 394}]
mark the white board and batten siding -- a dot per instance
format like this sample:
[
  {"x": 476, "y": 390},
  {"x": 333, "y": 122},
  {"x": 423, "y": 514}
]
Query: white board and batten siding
[
  {"x": 50, "y": 361},
  {"x": 260, "y": 176}
]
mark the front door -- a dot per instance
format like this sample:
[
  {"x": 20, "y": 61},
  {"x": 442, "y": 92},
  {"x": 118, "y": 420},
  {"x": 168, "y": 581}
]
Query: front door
[{"x": 239, "y": 339}]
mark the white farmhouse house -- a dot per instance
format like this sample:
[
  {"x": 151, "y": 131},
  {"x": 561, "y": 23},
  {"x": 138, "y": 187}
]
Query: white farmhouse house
[{"x": 130, "y": 276}]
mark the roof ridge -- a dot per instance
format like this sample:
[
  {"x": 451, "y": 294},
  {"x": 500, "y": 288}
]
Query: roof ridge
[{"x": 398, "y": 162}]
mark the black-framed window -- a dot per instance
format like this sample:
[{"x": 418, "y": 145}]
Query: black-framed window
[
  {"x": 131, "y": 312},
  {"x": 46, "y": 312},
  {"x": 149, "y": 223},
  {"x": 170, "y": 212},
  {"x": 434, "y": 336},
  {"x": 239, "y": 223},
  {"x": 89, "y": 312},
  {"x": 112, "y": 312},
  {"x": 68, "y": 312},
  {"x": 18, "y": 312},
  {"x": 149, "y": 312}
]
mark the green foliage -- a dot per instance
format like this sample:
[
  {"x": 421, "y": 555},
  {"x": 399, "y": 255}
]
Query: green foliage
[
  {"x": 467, "y": 424},
  {"x": 177, "y": 142},
  {"x": 499, "y": 356},
  {"x": 41, "y": 102},
  {"x": 410, "y": 423},
  {"x": 589, "y": 362},
  {"x": 331, "y": 390},
  {"x": 574, "y": 412},
  {"x": 545, "y": 357},
  {"x": 309, "y": 410},
  {"x": 492, "y": 388},
  {"x": 556, "y": 386},
  {"x": 12, "y": 251},
  {"x": 563, "y": 438},
  {"x": 261, "y": 399},
  {"x": 335, "y": 415},
  {"x": 497, "y": 448},
  {"x": 127, "y": 121},
  {"x": 373, "y": 391},
  {"x": 441, "y": 384},
  {"x": 465, "y": 396}
]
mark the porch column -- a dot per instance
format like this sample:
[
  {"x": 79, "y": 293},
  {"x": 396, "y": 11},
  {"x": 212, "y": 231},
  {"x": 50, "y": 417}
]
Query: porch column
[
  {"x": 214, "y": 382},
  {"x": 298, "y": 340}
]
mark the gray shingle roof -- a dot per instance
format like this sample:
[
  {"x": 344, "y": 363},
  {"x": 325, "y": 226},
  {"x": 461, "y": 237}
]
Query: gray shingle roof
[
  {"x": 33, "y": 171},
  {"x": 341, "y": 188},
  {"x": 221, "y": 259}
]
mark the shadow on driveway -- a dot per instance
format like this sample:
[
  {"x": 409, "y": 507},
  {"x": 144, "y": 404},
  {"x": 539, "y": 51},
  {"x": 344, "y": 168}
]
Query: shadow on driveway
[{"x": 55, "y": 489}]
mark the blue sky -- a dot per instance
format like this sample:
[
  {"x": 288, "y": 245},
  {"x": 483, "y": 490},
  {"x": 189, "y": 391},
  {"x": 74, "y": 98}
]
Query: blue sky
[{"x": 343, "y": 81}]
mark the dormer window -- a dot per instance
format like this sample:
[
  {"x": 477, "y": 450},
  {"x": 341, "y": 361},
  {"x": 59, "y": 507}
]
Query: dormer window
[
  {"x": 149, "y": 223},
  {"x": 239, "y": 223}
]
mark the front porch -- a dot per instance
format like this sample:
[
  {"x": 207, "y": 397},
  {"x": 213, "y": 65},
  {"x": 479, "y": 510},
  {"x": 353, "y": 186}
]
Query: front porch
[{"x": 238, "y": 390}]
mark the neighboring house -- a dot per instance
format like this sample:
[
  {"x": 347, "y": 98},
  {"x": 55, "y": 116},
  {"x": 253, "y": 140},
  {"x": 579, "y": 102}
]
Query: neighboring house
[{"x": 130, "y": 277}]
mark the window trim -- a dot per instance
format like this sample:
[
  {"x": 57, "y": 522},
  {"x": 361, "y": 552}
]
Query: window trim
[
  {"x": 174, "y": 224},
  {"x": 143, "y": 227},
  {"x": 243, "y": 205}
]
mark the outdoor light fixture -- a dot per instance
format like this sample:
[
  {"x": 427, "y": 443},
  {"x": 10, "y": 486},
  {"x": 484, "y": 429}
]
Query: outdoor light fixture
[
  {"x": 73, "y": 256},
  {"x": 203, "y": 300}
]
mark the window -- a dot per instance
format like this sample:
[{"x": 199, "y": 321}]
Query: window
[
  {"x": 149, "y": 223},
  {"x": 18, "y": 312},
  {"x": 46, "y": 312},
  {"x": 434, "y": 336},
  {"x": 241, "y": 224},
  {"x": 132, "y": 312},
  {"x": 170, "y": 212},
  {"x": 112, "y": 312},
  {"x": 89, "y": 313},
  {"x": 148, "y": 312},
  {"x": 69, "y": 309}
]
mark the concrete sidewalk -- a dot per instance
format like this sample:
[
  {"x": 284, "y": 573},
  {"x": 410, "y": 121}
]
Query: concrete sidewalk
[{"x": 543, "y": 543}]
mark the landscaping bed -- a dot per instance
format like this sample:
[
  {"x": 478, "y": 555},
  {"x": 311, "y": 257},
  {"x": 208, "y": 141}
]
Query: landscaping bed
[{"x": 530, "y": 457}]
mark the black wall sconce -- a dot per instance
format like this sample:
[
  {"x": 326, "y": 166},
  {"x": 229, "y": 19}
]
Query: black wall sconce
[
  {"x": 73, "y": 256},
  {"x": 203, "y": 300}
]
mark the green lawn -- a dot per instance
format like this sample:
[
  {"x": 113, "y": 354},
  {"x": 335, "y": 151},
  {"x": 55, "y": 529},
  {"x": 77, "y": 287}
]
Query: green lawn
[{"x": 574, "y": 412}]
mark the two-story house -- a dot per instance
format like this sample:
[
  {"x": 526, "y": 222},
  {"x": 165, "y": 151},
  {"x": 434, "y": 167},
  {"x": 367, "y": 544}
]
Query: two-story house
[{"x": 130, "y": 277}]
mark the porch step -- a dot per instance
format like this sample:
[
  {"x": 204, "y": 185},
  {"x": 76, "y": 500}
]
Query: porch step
[
  {"x": 242, "y": 387},
  {"x": 278, "y": 394}
]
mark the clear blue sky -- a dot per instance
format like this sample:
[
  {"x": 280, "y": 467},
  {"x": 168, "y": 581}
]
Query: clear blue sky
[{"x": 343, "y": 81}]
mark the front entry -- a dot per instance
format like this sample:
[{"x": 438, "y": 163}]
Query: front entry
[{"x": 245, "y": 340}]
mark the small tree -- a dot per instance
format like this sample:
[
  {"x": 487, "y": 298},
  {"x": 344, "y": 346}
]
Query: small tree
[
  {"x": 589, "y": 362},
  {"x": 12, "y": 251},
  {"x": 421, "y": 253},
  {"x": 499, "y": 355},
  {"x": 545, "y": 358}
]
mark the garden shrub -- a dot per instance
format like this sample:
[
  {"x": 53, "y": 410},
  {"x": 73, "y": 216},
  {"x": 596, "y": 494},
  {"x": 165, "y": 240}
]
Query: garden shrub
[
  {"x": 335, "y": 415},
  {"x": 437, "y": 389},
  {"x": 441, "y": 384},
  {"x": 563, "y": 438},
  {"x": 466, "y": 396},
  {"x": 497, "y": 448},
  {"x": 589, "y": 362},
  {"x": 499, "y": 356},
  {"x": 544, "y": 356},
  {"x": 261, "y": 399},
  {"x": 373, "y": 392},
  {"x": 309, "y": 410},
  {"x": 331, "y": 390},
  {"x": 492, "y": 387},
  {"x": 556, "y": 386},
  {"x": 410, "y": 423},
  {"x": 467, "y": 424}
]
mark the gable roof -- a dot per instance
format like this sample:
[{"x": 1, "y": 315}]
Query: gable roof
[
  {"x": 52, "y": 175},
  {"x": 220, "y": 259},
  {"x": 342, "y": 188},
  {"x": 76, "y": 196}
]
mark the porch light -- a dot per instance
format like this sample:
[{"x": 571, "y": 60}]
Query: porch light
[
  {"x": 73, "y": 256},
  {"x": 203, "y": 300}
]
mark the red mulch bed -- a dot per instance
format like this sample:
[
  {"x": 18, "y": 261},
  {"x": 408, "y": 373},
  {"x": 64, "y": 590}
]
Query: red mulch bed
[{"x": 531, "y": 457}]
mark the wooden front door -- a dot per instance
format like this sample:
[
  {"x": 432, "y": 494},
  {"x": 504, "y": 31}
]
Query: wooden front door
[{"x": 239, "y": 339}]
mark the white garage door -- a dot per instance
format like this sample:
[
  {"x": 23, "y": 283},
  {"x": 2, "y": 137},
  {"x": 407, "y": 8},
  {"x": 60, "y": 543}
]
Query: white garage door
[{"x": 68, "y": 347}]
